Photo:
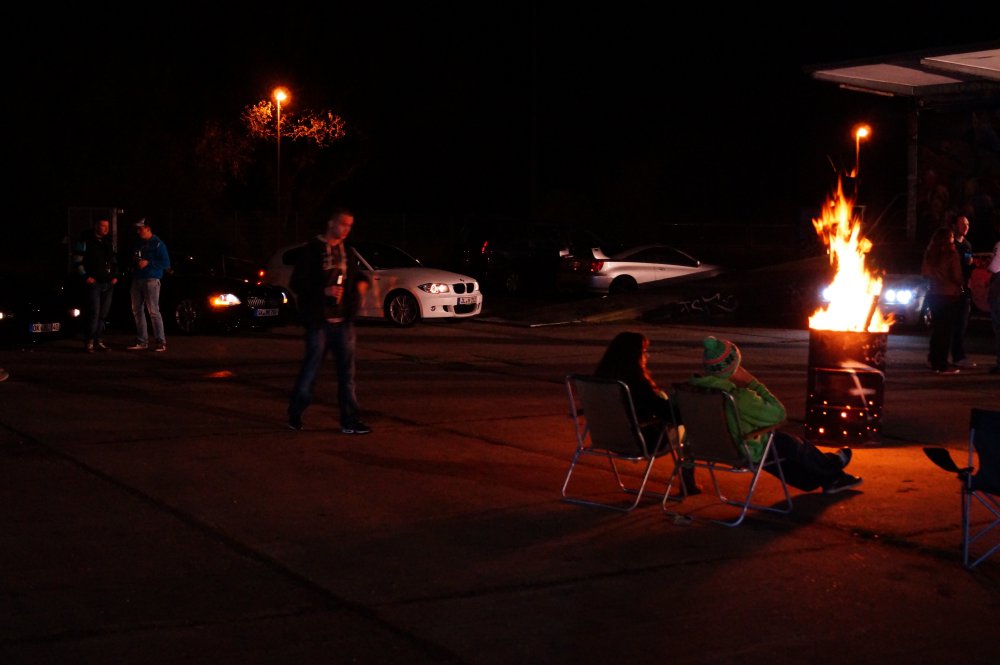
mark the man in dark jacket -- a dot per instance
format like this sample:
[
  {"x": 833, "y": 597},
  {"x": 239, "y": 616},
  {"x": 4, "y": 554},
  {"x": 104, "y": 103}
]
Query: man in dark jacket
[
  {"x": 328, "y": 287},
  {"x": 95, "y": 262}
]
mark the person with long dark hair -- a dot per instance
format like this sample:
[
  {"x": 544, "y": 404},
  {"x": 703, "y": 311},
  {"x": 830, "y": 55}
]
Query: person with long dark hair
[{"x": 625, "y": 359}]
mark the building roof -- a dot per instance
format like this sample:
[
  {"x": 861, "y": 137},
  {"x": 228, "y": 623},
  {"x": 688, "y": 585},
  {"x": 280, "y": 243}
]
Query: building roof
[{"x": 945, "y": 76}]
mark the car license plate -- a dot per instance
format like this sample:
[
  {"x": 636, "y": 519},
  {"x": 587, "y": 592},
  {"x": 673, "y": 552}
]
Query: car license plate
[
  {"x": 44, "y": 327},
  {"x": 467, "y": 300},
  {"x": 266, "y": 312}
]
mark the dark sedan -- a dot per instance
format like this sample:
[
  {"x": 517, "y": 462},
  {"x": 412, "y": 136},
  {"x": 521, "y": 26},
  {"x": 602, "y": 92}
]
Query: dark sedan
[
  {"x": 196, "y": 297},
  {"x": 33, "y": 309}
]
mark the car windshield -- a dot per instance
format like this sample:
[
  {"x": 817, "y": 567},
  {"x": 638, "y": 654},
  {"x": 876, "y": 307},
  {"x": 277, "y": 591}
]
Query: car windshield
[{"x": 380, "y": 256}]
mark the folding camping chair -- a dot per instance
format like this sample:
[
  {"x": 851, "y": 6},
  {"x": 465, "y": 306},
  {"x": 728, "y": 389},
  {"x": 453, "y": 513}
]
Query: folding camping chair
[
  {"x": 983, "y": 485},
  {"x": 605, "y": 425},
  {"x": 709, "y": 443}
]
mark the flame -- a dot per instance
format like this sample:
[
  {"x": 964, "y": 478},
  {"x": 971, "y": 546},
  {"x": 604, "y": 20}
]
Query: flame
[{"x": 854, "y": 291}]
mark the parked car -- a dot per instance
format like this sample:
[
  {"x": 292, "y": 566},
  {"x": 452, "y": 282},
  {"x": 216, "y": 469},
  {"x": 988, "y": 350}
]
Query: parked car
[
  {"x": 34, "y": 308},
  {"x": 514, "y": 258},
  {"x": 640, "y": 267},
  {"x": 196, "y": 297},
  {"x": 904, "y": 296},
  {"x": 403, "y": 291}
]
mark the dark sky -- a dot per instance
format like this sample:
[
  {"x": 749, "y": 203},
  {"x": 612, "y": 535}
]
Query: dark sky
[{"x": 620, "y": 112}]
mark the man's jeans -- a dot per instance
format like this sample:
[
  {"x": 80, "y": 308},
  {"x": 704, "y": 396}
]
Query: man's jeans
[
  {"x": 321, "y": 338},
  {"x": 98, "y": 299},
  {"x": 146, "y": 298}
]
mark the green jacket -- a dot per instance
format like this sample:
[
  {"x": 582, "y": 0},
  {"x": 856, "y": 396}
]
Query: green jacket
[{"x": 757, "y": 408}]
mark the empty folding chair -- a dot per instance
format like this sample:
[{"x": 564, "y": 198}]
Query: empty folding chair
[
  {"x": 606, "y": 426},
  {"x": 983, "y": 486},
  {"x": 710, "y": 443}
]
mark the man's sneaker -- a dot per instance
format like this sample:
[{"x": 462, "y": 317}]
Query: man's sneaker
[
  {"x": 89, "y": 347},
  {"x": 948, "y": 370},
  {"x": 357, "y": 428},
  {"x": 844, "y": 481},
  {"x": 965, "y": 362},
  {"x": 101, "y": 346},
  {"x": 845, "y": 456},
  {"x": 138, "y": 346},
  {"x": 295, "y": 423},
  {"x": 160, "y": 347}
]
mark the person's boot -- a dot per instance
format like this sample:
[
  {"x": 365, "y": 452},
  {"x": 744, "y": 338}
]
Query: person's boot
[{"x": 687, "y": 477}]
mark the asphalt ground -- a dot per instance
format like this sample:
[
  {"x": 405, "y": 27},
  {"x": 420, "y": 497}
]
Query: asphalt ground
[{"x": 156, "y": 509}]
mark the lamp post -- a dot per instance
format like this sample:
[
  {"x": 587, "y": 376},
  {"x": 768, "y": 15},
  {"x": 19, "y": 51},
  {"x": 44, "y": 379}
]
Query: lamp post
[
  {"x": 280, "y": 95},
  {"x": 860, "y": 132}
]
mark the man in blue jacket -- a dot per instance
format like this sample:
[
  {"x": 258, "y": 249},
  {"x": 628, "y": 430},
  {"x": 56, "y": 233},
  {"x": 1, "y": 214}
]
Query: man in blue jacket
[{"x": 151, "y": 261}]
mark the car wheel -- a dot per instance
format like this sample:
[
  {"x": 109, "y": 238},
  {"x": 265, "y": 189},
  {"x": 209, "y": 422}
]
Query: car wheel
[
  {"x": 402, "y": 309},
  {"x": 187, "y": 316},
  {"x": 623, "y": 284},
  {"x": 512, "y": 283}
]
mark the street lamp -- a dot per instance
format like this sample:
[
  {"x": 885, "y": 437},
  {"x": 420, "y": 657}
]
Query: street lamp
[
  {"x": 280, "y": 95},
  {"x": 860, "y": 132}
]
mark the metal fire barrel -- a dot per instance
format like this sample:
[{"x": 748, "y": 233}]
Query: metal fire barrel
[{"x": 846, "y": 386}]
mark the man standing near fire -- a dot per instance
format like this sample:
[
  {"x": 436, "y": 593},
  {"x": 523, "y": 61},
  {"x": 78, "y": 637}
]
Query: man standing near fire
[{"x": 960, "y": 227}]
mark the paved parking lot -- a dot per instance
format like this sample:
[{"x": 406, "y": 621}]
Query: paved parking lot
[{"x": 157, "y": 510}]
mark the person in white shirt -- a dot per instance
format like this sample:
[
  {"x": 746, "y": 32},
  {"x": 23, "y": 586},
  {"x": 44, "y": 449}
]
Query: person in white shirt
[{"x": 994, "y": 298}]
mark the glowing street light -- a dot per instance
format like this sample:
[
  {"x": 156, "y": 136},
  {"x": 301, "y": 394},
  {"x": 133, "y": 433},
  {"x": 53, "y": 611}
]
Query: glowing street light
[
  {"x": 280, "y": 95},
  {"x": 860, "y": 132}
]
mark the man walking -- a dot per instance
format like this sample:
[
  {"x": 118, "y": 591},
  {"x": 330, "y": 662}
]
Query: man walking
[
  {"x": 328, "y": 286},
  {"x": 151, "y": 261},
  {"x": 94, "y": 260}
]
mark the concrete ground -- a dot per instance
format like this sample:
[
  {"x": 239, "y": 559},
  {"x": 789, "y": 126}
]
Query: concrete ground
[{"x": 155, "y": 509}]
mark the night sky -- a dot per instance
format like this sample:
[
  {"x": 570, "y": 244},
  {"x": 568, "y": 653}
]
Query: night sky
[{"x": 617, "y": 115}]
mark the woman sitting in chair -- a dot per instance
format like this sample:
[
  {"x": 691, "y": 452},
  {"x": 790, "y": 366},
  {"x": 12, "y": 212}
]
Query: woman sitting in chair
[
  {"x": 804, "y": 465},
  {"x": 625, "y": 360}
]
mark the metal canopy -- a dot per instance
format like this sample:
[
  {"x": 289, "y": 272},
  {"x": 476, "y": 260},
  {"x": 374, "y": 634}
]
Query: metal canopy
[
  {"x": 955, "y": 74},
  {"x": 950, "y": 79}
]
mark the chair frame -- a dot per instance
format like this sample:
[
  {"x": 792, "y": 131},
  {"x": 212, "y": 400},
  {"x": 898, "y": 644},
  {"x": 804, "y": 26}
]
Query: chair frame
[
  {"x": 616, "y": 436},
  {"x": 710, "y": 444},
  {"x": 983, "y": 485}
]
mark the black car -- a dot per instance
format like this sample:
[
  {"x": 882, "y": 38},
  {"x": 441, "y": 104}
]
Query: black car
[
  {"x": 197, "y": 297},
  {"x": 515, "y": 258},
  {"x": 34, "y": 308}
]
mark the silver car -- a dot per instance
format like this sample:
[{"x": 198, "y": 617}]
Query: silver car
[{"x": 641, "y": 267}]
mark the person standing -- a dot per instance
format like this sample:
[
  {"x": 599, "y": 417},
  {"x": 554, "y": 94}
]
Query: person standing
[
  {"x": 994, "y": 296},
  {"x": 804, "y": 465},
  {"x": 960, "y": 228},
  {"x": 942, "y": 268},
  {"x": 96, "y": 263},
  {"x": 151, "y": 261},
  {"x": 328, "y": 286}
]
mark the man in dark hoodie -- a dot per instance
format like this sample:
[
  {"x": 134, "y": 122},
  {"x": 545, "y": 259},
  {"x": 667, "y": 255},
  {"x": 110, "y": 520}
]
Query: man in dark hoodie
[
  {"x": 94, "y": 261},
  {"x": 328, "y": 287}
]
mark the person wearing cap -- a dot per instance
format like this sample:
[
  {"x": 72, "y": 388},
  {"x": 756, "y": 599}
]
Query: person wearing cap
[
  {"x": 804, "y": 465},
  {"x": 151, "y": 261}
]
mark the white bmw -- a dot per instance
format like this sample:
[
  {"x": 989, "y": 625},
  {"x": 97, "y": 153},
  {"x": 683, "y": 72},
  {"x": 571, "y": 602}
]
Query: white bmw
[{"x": 403, "y": 291}]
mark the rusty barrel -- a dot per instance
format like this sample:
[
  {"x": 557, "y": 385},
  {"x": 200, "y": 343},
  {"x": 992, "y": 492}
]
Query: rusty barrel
[{"x": 846, "y": 386}]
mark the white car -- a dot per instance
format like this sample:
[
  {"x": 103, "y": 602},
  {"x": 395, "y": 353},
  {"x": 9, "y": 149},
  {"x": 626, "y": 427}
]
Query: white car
[
  {"x": 642, "y": 267},
  {"x": 403, "y": 291}
]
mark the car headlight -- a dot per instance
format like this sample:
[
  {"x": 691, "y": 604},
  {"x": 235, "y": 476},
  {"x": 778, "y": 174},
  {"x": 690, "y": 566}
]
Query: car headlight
[
  {"x": 224, "y": 300},
  {"x": 435, "y": 288},
  {"x": 899, "y": 296}
]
